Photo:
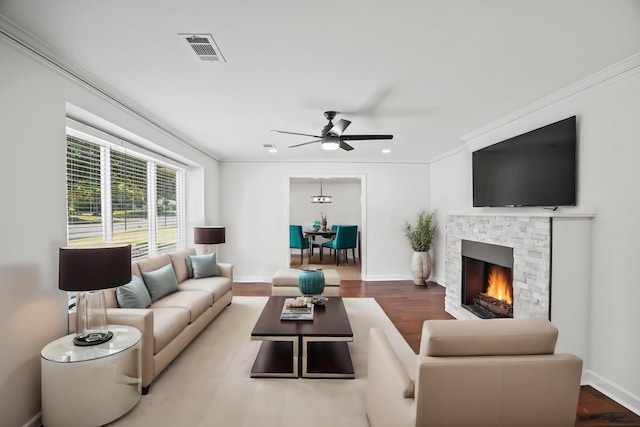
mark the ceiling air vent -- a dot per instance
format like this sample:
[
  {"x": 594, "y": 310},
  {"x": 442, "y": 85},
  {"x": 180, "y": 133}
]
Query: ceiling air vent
[{"x": 204, "y": 46}]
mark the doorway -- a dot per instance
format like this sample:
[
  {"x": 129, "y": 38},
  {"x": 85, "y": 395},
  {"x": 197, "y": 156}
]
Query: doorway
[{"x": 346, "y": 208}]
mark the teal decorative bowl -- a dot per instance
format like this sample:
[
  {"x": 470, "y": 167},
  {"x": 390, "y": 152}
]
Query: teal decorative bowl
[{"x": 311, "y": 282}]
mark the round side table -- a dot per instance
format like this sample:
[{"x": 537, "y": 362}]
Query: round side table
[{"x": 93, "y": 385}]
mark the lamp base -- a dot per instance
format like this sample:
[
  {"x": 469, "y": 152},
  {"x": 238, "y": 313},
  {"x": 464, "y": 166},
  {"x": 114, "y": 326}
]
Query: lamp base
[
  {"x": 93, "y": 338},
  {"x": 91, "y": 319}
]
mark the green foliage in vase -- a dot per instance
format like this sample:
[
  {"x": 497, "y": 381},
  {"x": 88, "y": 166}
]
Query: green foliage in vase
[{"x": 421, "y": 235}]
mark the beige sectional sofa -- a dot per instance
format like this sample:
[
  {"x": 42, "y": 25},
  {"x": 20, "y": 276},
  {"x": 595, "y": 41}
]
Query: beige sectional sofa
[
  {"x": 170, "y": 323},
  {"x": 498, "y": 372}
]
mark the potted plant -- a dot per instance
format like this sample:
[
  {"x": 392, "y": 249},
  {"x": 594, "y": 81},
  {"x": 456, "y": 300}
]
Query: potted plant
[{"x": 421, "y": 238}]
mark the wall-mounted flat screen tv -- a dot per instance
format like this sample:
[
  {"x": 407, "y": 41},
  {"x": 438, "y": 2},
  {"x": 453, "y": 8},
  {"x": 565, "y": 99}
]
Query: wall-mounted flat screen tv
[{"x": 537, "y": 168}]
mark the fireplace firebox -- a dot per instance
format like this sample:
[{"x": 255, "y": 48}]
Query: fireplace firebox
[{"x": 487, "y": 279}]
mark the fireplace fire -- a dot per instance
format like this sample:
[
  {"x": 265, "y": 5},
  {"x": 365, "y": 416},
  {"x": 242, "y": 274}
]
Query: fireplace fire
[
  {"x": 498, "y": 298},
  {"x": 487, "y": 279},
  {"x": 499, "y": 283}
]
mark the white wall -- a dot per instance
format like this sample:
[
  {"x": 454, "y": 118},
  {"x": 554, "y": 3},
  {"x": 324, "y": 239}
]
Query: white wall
[
  {"x": 608, "y": 130},
  {"x": 345, "y": 209},
  {"x": 450, "y": 191},
  {"x": 254, "y": 208},
  {"x": 33, "y": 215}
]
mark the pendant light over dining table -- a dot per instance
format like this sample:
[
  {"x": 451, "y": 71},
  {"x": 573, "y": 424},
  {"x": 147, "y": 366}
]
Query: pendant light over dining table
[{"x": 321, "y": 198}]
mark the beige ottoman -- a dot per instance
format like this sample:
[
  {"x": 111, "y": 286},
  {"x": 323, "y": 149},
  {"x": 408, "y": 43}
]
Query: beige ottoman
[{"x": 285, "y": 283}]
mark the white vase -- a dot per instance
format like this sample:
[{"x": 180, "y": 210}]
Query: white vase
[{"x": 421, "y": 267}]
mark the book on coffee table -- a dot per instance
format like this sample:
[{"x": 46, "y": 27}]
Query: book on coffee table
[{"x": 296, "y": 311}]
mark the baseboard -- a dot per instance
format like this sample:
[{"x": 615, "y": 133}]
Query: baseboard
[
  {"x": 386, "y": 278},
  {"x": 36, "y": 421},
  {"x": 624, "y": 397}
]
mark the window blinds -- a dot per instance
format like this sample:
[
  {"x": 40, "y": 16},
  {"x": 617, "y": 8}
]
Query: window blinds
[
  {"x": 117, "y": 195},
  {"x": 84, "y": 191}
]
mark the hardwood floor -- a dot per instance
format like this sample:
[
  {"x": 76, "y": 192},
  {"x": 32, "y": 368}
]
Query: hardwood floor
[{"x": 408, "y": 306}]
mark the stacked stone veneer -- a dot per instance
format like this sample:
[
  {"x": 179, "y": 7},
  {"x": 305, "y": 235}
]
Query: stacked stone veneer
[{"x": 530, "y": 238}]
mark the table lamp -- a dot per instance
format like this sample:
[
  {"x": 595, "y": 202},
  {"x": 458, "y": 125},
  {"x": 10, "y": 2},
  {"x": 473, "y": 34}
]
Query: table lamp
[
  {"x": 87, "y": 270},
  {"x": 208, "y": 235}
]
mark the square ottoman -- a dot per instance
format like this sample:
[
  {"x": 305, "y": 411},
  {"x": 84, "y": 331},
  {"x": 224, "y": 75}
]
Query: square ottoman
[{"x": 285, "y": 283}]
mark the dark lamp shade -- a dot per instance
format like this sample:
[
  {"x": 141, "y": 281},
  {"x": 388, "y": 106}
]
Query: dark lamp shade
[
  {"x": 208, "y": 235},
  {"x": 91, "y": 268}
]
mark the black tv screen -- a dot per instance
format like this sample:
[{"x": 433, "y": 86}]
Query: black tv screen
[{"x": 537, "y": 168}]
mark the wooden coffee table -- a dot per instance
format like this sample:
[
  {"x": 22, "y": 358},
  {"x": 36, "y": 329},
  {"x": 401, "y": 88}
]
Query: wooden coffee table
[{"x": 322, "y": 341}]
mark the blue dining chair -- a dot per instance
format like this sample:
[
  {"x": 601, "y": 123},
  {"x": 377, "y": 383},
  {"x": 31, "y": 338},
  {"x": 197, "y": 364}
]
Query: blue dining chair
[
  {"x": 327, "y": 244},
  {"x": 297, "y": 240},
  {"x": 346, "y": 238}
]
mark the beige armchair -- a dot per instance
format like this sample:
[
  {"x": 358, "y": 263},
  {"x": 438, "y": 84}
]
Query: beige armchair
[{"x": 498, "y": 372}]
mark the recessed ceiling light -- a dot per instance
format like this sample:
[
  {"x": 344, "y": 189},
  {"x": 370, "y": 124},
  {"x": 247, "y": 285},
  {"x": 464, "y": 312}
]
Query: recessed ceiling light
[
  {"x": 386, "y": 151},
  {"x": 271, "y": 147}
]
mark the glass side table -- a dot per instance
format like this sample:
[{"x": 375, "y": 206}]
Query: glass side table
[{"x": 94, "y": 385}]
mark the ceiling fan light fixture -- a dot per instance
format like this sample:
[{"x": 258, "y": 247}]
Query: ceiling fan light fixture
[
  {"x": 330, "y": 145},
  {"x": 332, "y": 135}
]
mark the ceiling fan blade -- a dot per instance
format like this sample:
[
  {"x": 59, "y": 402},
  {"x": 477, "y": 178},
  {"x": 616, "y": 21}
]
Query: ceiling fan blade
[
  {"x": 339, "y": 127},
  {"x": 296, "y": 133},
  {"x": 305, "y": 143},
  {"x": 364, "y": 137},
  {"x": 345, "y": 146}
]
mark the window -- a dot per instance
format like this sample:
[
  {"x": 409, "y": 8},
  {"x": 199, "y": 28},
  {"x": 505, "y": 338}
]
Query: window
[{"x": 115, "y": 194}]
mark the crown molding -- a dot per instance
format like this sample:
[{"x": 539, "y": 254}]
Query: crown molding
[
  {"x": 34, "y": 47},
  {"x": 447, "y": 154},
  {"x": 582, "y": 87}
]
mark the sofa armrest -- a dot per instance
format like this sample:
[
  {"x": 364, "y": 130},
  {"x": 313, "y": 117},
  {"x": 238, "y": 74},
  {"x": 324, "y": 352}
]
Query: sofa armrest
[
  {"x": 142, "y": 319},
  {"x": 226, "y": 270},
  {"x": 390, "y": 391}
]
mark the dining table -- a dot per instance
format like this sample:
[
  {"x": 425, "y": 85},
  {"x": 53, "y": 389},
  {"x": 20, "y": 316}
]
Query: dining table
[{"x": 328, "y": 234}]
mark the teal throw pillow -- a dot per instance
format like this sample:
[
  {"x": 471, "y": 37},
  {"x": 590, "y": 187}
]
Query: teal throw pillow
[
  {"x": 160, "y": 282},
  {"x": 204, "y": 266},
  {"x": 133, "y": 295}
]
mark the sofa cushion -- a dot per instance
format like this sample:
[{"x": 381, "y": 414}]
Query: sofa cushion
[
  {"x": 133, "y": 295},
  {"x": 488, "y": 337},
  {"x": 135, "y": 270},
  {"x": 160, "y": 282},
  {"x": 217, "y": 286},
  {"x": 204, "y": 265},
  {"x": 110, "y": 298},
  {"x": 180, "y": 265},
  {"x": 195, "y": 302},
  {"x": 152, "y": 263},
  {"x": 168, "y": 323}
]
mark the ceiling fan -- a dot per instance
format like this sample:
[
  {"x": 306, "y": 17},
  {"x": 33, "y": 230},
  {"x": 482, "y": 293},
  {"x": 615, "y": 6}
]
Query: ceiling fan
[{"x": 331, "y": 137}]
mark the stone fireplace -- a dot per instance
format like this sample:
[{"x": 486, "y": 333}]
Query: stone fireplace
[
  {"x": 550, "y": 269},
  {"x": 520, "y": 244}
]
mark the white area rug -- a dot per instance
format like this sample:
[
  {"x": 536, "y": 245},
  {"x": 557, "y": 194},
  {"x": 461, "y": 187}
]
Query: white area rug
[{"x": 209, "y": 383}]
